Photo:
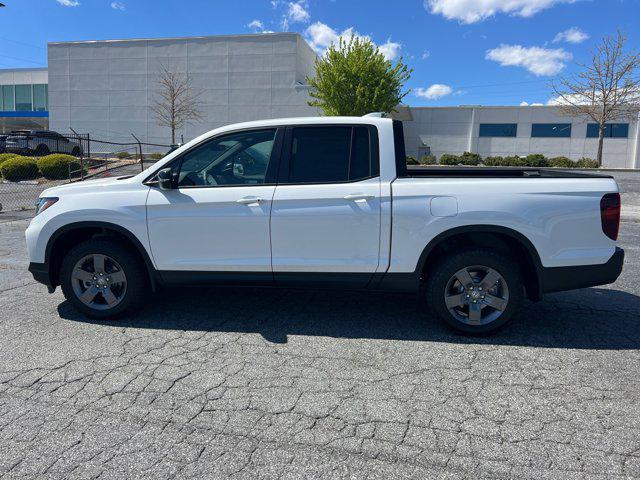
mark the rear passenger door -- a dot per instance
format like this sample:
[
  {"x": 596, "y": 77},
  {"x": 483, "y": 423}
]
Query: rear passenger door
[{"x": 325, "y": 217}]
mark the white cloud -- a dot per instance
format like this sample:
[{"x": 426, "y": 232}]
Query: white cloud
[
  {"x": 69, "y": 3},
  {"x": 571, "y": 35},
  {"x": 537, "y": 60},
  {"x": 426, "y": 54},
  {"x": 321, "y": 36},
  {"x": 117, "y": 5},
  {"x": 435, "y": 91},
  {"x": 472, "y": 11},
  {"x": 390, "y": 49},
  {"x": 298, "y": 12},
  {"x": 258, "y": 27}
]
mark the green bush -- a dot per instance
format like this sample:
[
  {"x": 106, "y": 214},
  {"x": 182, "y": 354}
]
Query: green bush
[
  {"x": 58, "y": 166},
  {"x": 493, "y": 161},
  {"x": 514, "y": 161},
  {"x": 449, "y": 159},
  {"x": 561, "y": 162},
  {"x": 123, "y": 155},
  {"x": 536, "y": 160},
  {"x": 156, "y": 156},
  {"x": 468, "y": 158},
  {"x": 6, "y": 156},
  {"x": 19, "y": 168},
  {"x": 412, "y": 161},
  {"x": 585, "y": 162},
  {"x": 428, "y": 160}
]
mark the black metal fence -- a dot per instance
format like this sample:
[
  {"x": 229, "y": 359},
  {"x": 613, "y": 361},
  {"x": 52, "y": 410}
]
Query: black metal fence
[{"x": 32, "y": 161}]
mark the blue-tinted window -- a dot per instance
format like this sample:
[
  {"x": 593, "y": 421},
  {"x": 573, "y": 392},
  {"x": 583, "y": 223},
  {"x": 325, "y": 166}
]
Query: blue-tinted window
[
  {"x": 8, "y": 102},
  {"x": 611, "y": 130},
  {"x": 498, "y": 129},
  {"x": 551, "y": 130},
  {"x": 40, "y": 97},
  {"x": 24, "y": 102}
]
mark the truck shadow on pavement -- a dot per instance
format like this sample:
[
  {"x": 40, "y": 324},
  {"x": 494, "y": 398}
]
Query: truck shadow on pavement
[{"x": 592, "y": 318}]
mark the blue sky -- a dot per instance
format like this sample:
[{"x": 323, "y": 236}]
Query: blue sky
[{"x": 463, "y": 52}]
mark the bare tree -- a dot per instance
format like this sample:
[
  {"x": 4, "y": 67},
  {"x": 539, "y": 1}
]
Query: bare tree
[
  {"x": 606, "y": 89},
  {"x": 177, "y": 103}
]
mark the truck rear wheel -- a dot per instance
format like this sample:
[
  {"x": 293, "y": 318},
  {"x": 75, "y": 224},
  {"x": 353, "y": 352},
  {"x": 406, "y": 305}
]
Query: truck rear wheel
[
  {"x": 102, "y": 278},
  {"x": 475, "y": 291}
]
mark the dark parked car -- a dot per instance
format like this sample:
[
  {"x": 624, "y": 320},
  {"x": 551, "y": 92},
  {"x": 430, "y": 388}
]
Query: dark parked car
[
  {"x": 41, "y": 142},
  {"x": 3, "y": 139}
]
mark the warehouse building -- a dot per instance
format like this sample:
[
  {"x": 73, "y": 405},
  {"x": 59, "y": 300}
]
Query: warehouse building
[{"x": 107, "y": 88}]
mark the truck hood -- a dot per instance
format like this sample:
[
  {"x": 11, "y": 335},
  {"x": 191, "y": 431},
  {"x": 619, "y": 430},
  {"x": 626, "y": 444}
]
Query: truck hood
[{"x": 83, "y": 186}]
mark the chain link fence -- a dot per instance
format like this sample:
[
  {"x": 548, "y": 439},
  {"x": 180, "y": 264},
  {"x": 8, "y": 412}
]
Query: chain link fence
[{"x": 32, "y": 161}]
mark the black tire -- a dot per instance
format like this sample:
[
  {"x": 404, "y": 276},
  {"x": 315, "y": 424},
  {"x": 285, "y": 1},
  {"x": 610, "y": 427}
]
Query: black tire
[
  {"x": 136, "y": 276},
  {"x": 76, "y": 152},
  {"x": 42, "y": 150},
  {"x": 438, "y": 284}
]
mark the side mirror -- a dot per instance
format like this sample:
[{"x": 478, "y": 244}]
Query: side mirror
[{"x": 165, "y": 179}]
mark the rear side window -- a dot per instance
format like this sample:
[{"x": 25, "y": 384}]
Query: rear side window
[{"x": 330, "y": 154}]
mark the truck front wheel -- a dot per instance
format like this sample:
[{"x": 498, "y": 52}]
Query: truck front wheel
[
  {"x": 475, "y": 291},
  {"x": 102, "y": 278}
]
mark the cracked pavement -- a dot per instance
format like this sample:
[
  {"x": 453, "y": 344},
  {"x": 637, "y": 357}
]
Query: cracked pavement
[{"x": 258, "y": 383}]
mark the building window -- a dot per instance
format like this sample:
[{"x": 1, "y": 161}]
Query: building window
[
  {"x": 611, "y": 130},
  {"x": 24, "y": 102},
  {"x": 498, "y": 129},
  {"x": 40, "y": 103},
  {"x": 551, "y": 130},
  {"x": 8, "y": 96}
]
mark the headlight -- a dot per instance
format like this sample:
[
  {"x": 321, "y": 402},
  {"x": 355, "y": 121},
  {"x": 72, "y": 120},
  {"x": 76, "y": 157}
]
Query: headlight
[{"x": 44, "y": 203}]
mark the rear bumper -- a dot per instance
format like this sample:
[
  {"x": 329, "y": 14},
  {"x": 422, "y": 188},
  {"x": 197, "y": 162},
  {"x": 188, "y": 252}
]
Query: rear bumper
[
  {"x": 19, "y": 150},
  {"x": 558, "y": 279},
  {"x": 40, "y": 272}
]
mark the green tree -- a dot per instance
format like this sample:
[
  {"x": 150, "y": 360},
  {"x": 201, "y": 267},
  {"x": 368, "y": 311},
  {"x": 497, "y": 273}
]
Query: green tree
[{"x": 354, "y": 79}]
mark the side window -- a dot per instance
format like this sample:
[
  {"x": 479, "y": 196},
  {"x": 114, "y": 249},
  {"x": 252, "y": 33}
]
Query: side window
[
  {"x": 237, "y": 159},
  {"x": 329, "y": 154}
]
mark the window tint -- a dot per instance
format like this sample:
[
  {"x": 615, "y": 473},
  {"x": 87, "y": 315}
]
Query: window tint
[
  {"x": 40, "y": 97},
  {"x": 8, "y": 98},
  {"x": 498, "y": 129},
  {"x": 551, "y": 130},
  {"x": 611, "y": 130},
  {"x": 237, "y": 159},
  {"x": 330, "y": 154},
  {"x": 23, "y": 98}
]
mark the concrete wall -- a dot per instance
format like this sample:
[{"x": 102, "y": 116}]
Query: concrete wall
[
  {"x": 22, "y": 76},
  {"x": 106, "y": 88},
  {"x": 456, "y": 129}
]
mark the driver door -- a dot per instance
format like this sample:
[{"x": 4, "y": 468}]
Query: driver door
[{"x": 217, "y": 219}]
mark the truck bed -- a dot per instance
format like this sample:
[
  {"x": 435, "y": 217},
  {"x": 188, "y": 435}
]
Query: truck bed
[{"x": 419, "y": 171}]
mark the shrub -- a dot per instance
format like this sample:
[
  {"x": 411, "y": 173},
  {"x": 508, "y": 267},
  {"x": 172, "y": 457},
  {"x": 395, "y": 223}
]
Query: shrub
[
  {"x": 468, "y": 158},
  {"x": 536, "y": 160},
  {"x": 428, "y": 160},
  {"x": 448, "y": 159},
  {"x": 19, "y": 168},
  {"x": 123, "y": 155},
  {"x": 493, "y": 161},
  {"x": 412, "y": 161},
  {"x": 585, "y": 162},
  {"x": 6, "y": 156},
  {"x": 561, "y": 162},
  {"x": 156, "y": 156},
  {"x": 514, "y": 161},
  {"x": 58, "y": 166}
]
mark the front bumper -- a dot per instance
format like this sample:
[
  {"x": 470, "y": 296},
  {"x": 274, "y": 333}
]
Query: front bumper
[{"x": 558, "y": 279}]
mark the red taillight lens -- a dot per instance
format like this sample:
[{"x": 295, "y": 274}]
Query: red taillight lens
[{"x": 610, "y": 215}]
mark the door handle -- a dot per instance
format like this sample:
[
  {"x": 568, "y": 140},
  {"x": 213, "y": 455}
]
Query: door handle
[
  {"x": 248, "y": 200},
  {"x": 359, "y": 196}
]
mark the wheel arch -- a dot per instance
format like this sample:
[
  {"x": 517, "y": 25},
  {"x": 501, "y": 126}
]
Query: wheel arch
[
  {"x": 71, "y": 234},
  {"x": 492, "y": 236}
]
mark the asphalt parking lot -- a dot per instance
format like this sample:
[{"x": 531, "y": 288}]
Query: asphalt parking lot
[{"x": 256, "y": 383}]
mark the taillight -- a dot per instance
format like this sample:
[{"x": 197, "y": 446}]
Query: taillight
[{"x": 610, "y": 215}]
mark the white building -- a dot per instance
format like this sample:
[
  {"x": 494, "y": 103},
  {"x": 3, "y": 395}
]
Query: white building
[
  {"x": 107, "y": 88},
  {"x": 505, "y": 131}
]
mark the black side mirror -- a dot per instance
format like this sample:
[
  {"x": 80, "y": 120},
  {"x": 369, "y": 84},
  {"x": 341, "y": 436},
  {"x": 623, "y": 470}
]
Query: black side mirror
[{"x": 165, "y": 179}]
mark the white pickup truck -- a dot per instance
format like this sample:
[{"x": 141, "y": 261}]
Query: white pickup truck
[{"x": 327, "y": 202}]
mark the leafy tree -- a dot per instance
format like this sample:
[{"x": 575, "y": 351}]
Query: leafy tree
[
  {"x": 606, "y": 89},
  {"x": 354, "y": 79}
]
